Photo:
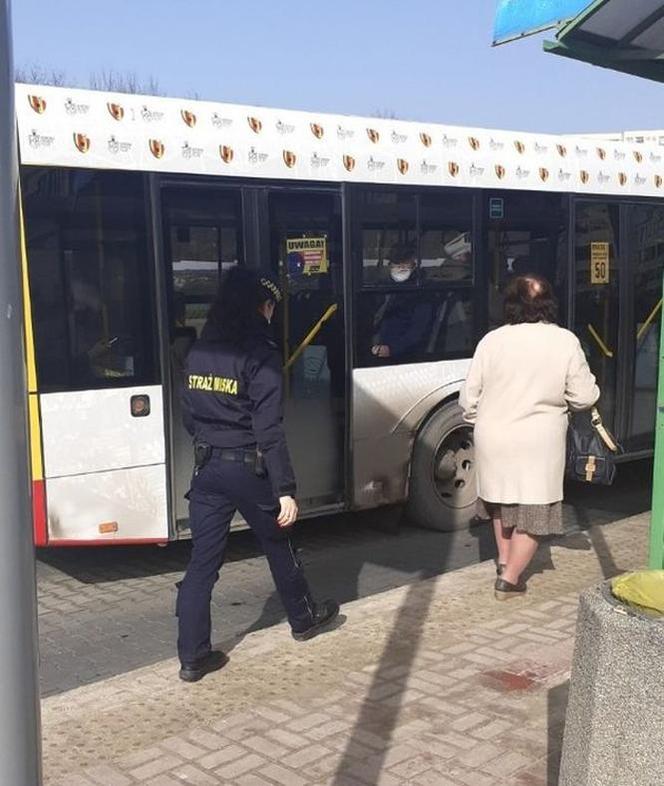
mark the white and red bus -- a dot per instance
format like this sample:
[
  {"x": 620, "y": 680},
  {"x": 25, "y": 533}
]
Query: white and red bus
[{"x": 133, "y": 206}]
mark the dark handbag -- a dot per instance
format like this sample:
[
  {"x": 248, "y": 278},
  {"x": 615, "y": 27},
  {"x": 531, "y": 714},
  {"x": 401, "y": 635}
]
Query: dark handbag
[{"x": 591, "y": 449}]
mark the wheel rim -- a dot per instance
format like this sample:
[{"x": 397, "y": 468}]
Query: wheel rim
[{"x": 453, "y": 468}]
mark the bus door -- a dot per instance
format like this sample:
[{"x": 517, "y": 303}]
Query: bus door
[
  {"x": 596, "y": 300},
  {"x": 644, "y": 228},
  {"x": 306, "y": 256},
  {"x": 202, "y": 237}
]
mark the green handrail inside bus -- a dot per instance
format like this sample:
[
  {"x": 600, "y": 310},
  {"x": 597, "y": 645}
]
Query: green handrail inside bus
[
  {"x": 598, "y": 339},
  {"x": 311, "y": 335},
  {"x": 640, "y": 332}
]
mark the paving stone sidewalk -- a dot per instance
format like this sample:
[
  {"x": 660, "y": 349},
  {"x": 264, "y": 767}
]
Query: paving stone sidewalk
[{"x": 432, "y": 683}]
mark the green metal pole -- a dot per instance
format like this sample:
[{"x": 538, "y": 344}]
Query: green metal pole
[{"x": 656, "y": 561}]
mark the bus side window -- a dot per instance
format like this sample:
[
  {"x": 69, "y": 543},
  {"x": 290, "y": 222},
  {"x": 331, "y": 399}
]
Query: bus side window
[
  {"x": 416, "y": 299},
  {"x": 414, "y": 326},
  {"x": 89, "y": 277},
  {"x": 531, "y": 237}
]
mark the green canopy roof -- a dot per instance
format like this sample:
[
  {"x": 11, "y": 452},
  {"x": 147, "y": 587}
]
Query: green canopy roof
[{"x": 624, "y": 35}]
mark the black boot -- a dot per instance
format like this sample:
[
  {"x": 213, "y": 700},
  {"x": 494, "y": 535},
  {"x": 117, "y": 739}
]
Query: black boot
[
  {"x": 324, "y": 613},
  {"x": 213, "y": 661}
]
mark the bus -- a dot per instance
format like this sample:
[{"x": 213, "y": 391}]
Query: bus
[{"x": 133, "y": 206}]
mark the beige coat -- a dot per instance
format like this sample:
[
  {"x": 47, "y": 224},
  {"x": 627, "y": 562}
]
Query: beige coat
[{"x": 522, "y": 383}]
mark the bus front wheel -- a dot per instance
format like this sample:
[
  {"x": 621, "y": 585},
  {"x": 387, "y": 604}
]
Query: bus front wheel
[{"x": 443, "y": 492}]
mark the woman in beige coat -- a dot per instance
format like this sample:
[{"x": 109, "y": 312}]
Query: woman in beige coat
[{"x": 524, "y": 379}]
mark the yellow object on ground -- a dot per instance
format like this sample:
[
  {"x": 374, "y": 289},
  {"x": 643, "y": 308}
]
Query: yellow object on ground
[{"x": 644, "y": 588}]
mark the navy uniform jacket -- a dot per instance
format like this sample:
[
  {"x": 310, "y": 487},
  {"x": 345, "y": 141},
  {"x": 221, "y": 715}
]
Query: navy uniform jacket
[{"x": 233, "y": 399}]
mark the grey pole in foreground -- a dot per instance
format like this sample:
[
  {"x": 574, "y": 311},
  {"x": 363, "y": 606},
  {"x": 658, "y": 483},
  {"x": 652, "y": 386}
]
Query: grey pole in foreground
[{"x": 20, "y": 755}]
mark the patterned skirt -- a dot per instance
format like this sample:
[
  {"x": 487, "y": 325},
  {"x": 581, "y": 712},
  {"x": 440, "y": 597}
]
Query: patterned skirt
[{"x": 535, "y": 520}]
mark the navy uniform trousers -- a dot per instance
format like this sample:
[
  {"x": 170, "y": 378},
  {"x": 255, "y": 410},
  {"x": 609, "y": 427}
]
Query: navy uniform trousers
[{"x": 219, "y": 489}]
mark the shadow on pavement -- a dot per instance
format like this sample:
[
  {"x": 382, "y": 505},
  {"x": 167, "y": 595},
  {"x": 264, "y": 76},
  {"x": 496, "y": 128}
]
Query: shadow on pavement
[
  {"x": 382, "y": 717},
  {"x": 377, "y": 716},
  {"x": 99, "y": 564},
  {"x": 589, "y": 504},
  {"x": 542, "y": 561},
  {"x": 556, "y": 708},
  {"x": 604, "y": 556},
  {"x": 345, "y": 557},
  {"x": 377, "y": 562}
]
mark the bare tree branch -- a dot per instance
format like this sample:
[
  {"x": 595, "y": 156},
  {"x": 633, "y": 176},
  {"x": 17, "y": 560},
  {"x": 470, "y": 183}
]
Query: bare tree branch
[
  {"x": 106, "y": 79},
  {"x": 153, "y": 88},
  {"x": 36, "y": 74},
  {"x": 114, "y": 81}
]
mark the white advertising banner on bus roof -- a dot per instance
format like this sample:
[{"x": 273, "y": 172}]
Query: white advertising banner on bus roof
[{"x": 83, "y": 128}]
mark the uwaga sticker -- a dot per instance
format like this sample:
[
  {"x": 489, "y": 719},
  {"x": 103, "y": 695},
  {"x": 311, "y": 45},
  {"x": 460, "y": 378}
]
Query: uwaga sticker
[{"x": 307, "y": 255}]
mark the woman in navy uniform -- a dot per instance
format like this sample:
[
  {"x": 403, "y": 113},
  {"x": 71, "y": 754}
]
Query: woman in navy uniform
[{"x": 232, "y": 406}]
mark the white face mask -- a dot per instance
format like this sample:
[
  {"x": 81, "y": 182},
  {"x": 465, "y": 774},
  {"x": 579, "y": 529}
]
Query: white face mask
[{"x": 400, "y": 274}]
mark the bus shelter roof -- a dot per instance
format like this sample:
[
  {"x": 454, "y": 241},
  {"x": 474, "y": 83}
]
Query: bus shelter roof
[{"x": 623, "y": 35}]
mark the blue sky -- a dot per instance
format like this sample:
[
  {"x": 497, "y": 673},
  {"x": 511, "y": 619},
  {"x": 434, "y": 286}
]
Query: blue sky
[{"x": 421, "y": 59}]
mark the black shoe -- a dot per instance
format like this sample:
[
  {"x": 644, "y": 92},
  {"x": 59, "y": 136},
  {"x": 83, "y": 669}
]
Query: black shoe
[
  {"x": 324, "y": 614},
  {"x": 503, "y": 590},
  {"x": 193, "y": 672}
]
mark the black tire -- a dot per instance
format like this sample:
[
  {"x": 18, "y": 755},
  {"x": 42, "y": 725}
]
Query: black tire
[{"x": 442, "y": 493}]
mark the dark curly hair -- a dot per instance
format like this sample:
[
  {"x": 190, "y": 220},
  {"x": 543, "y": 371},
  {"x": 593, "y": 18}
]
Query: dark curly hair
[
  {"x": 530, "y": 298},
  {"x": 234, "y": 315}
]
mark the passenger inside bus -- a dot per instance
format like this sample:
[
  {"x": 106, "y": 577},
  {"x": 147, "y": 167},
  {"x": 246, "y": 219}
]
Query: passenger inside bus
[
  {"x": 401, "y": 322},
  {"x": 96, "y": 354}
]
